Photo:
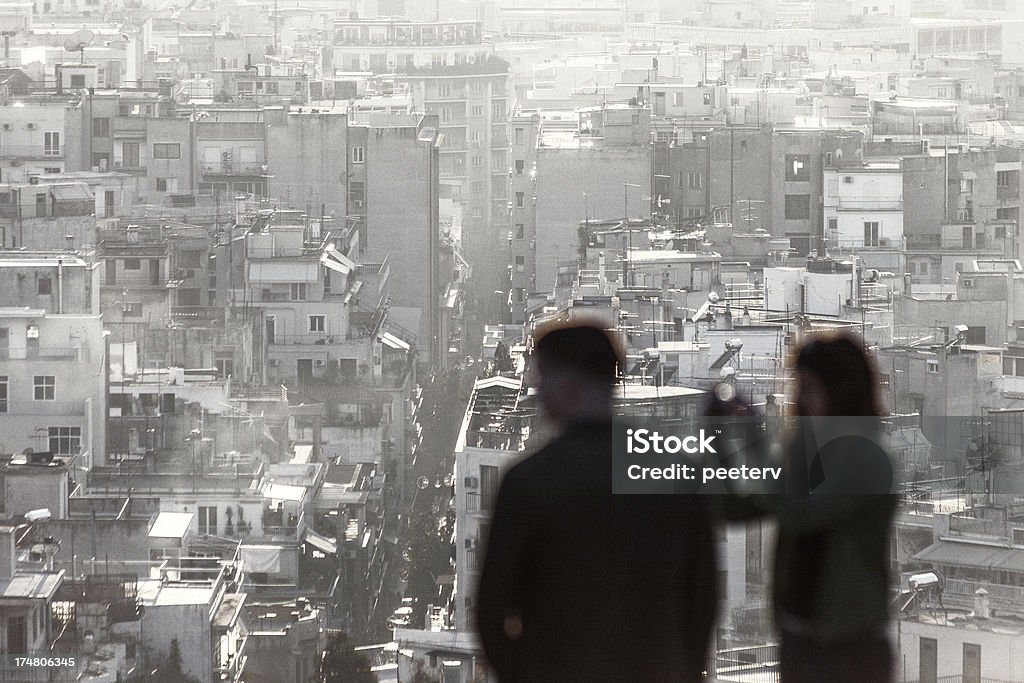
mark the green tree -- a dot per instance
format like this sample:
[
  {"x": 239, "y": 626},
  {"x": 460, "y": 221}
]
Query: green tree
[{"x": 342, "y": 664}]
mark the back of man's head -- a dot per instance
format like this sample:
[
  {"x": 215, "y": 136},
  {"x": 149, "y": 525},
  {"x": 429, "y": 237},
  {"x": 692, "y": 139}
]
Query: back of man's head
[{"x": 586, "y": 352}]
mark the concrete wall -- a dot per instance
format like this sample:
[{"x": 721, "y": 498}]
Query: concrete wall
[{"x": 564, "y": 174}]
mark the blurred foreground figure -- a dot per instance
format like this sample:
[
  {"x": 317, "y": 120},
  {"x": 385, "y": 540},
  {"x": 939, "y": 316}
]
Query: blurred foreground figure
[
  {"x": 831, "y": 576},
  {"x": 579, "y": 584}
]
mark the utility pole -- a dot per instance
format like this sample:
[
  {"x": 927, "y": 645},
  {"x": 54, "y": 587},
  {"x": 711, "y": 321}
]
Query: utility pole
[{"x": 629, "y": 232}]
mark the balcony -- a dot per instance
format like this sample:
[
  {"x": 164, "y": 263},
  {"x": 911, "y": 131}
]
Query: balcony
[
  {"x": 310, "y": 339},
  {"x": 49, "y": 353},
  {"x": 857, "y": 204},
  {"x": 32, "y": 151},
  {"x": 44, "y": 409},
  {"x": 283, "y": 526},
  {"x": 233, "y": 168}
]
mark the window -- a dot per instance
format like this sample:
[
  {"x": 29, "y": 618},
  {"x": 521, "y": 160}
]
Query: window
[
  {"x": 520, "y": 200},
  {"x": 478, "y": 161},
  {"x": 520, "y": 166},
  {"x": 44, "y": 286},
  {"x": 1000, "y": 232},
  {"x": 489, "y": 481},
  {"x": 166, "y": 184},
  {"x": 444, "y": 89},
  {"x": 132, "y": 264},
  {"x": 317, "y": 323},
  {"x": 798, "y": 206},
  {"x": 77, "y": 80},
  {"x": 798, "y": 167},
  {"x": 272, "y": 87},
  {"x": 17, "y": 635},
  {"x": 358, "y": 155},
  {"x": 833, "y": 224},
  {"x": 51, "y": 144},
  {"x": 520, "y": 294},
  {"x": 298, "y": 291},
  {"x": 357, "y": 193},
  {"x": 130, "y": 154},
  {"x": 3, "y": 393},
  {"x": 694, "y": 180},
  {"x": 43, "y": 387},
  {"x": 446, "y": 114},
  {"x": 520, "y": 263},
  {"x": 518, "y": 136},
  {"x": 933, "y": 367},
  {"x": 101, "y": 127},
  {"x": 207, "y": 519},
  {"x": 707, "y": 99},
  {"x": 225, "y": 367},
  {"x": 520, "y": 229},
  {"x": 923, "y": 268},
  {"x": 65, "y": 440},
  {"x": 871, "y": 234},
  {"x": 966, "y": 185},
  {"x": 477, "y": 110},
  {"x": 166, "y": 150},
  {"x": 1003, "y": 179}
]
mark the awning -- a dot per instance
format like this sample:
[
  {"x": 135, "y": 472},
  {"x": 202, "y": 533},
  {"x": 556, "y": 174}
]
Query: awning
[
  {"x": 261, "y": 558},
  {"x": 972, "y": 555},
  {"x": 968, "y": 175},
  {"x": 71, "y": 193},
  {"x": 284, "y": 492},
  {"x": 171, "y": 525},
  {"x": 394, "y": 342},
  {"x": 328, "y": 546},
  {"x": 282, "y": 272},
  {"x": 337, "y": 261}
]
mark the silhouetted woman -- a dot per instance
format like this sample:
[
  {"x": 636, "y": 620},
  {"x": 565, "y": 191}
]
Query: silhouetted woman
[{"x": 831, "y": 575}]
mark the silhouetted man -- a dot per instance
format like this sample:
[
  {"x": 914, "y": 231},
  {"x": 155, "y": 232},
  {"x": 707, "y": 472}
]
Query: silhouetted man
[{"x": 580, "y": 584}]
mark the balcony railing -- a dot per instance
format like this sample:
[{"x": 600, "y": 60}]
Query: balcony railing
[
  {"x": 247, "y": 168},
  {"x": 854, "y": 204},
  {"x": 51, "y": 353},
  {"x": 33, "y": 151},
  {"x": 45, "y": 408}
]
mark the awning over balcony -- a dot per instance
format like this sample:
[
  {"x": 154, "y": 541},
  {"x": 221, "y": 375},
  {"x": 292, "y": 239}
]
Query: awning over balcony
[
  {"x": 394, "y": 342},
  {"x": 283, "y": 272},
  {"x": 284, "y": 492},
  {"x": 324, "y": 544},
  {"x": 973, "y": 555},
  {"x": 337, "y": 261},
  {"x": 72, "y": 192}
]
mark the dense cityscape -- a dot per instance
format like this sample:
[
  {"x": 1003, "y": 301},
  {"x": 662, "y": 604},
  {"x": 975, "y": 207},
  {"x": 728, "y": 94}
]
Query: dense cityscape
[{"x": 270, "y": 272}]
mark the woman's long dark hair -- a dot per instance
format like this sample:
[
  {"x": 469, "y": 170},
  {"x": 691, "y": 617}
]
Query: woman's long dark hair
[{"x": 840, "y": 362}]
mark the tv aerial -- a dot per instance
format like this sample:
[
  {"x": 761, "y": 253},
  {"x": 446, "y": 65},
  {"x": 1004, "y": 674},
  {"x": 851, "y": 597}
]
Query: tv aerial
[{"x": 78, "y": 41}]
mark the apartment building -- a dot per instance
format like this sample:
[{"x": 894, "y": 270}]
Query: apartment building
[
  {"x": 451, "y": 73},
  {"x": 53, "y": 350}
]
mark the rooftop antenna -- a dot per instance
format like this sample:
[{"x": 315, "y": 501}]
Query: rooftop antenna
[{"x": 78, "y": 41}]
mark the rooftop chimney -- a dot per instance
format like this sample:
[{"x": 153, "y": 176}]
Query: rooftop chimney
[{"x": 981, "y": 608}]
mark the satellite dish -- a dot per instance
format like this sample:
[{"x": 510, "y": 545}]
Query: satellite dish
[{"x": 78, "y": 41}]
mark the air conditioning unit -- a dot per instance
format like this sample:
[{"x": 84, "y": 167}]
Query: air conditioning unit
[
  {"x": 471, "y": 544},
  {"x": 7, "y": 126},
  {"x": 968, "y": 282},
  {"x": 883, "y": 242},
  {"x": 273, "y": 362},
  {"x": 848, "y": 179},
  {"x": 358, "y": 203},
  {"x": 319, "y": 362},
  {"x": 31, "y": 126},
  {"x": 471, "y": 482}
]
